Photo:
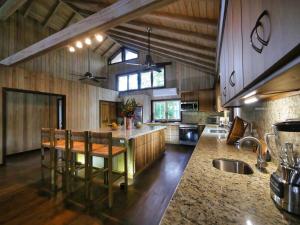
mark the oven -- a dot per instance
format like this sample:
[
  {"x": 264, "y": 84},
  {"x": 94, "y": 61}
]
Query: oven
[{"x": 188, "y": 134}]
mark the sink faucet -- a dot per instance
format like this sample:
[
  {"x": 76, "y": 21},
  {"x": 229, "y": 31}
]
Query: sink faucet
[{"x": 261, "y": 162}]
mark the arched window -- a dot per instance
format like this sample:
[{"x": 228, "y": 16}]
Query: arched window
[{"x": 122, "y": 55}]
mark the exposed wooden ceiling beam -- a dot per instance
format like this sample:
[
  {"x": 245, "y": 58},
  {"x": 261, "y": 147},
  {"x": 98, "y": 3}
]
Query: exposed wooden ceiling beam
[
  {"x": 52, "y": 13},
  {"x": 204, "y": 58},
  {"x": 89, "y": 5},
  {"x": 70, "y": 20},
  {"x": 166, "y": 40},
  {"x": 172, "y": 31},
  {"x": 28, "y": 7},
  {"x": 183, "y": 19},
  {"x": 109, "y": 48},
  {"x": 171, "y": 55},
  {"x": 10, "y": 7},
  {"x": 111, "y": 16},
  {"x": 100, "y": 44}
]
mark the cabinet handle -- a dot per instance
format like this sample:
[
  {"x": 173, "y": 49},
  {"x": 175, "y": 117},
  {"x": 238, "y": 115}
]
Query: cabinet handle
[
  {"x": 257, "y": 49},
  {"x": 231, "y": 82},
  {"x": 261, "y": 40},
  {"x": 224, "y": 91}
]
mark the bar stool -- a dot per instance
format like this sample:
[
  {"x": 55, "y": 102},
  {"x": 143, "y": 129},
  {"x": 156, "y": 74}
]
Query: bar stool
[
  {"x": 46, "y": 143},
  {"x": 100, "y": 145},
  {"x": 61, "y": 158}
]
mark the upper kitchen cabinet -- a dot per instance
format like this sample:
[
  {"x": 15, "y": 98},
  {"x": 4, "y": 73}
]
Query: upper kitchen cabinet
[{"x": 270, "y": 30}]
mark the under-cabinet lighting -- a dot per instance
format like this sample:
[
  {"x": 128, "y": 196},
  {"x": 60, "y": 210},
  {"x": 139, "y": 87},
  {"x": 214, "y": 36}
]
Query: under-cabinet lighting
[
  {"x": 88, "y": 41},
  {"x": 71, "y": 49},
  {"x": 250, "y": 100},
  {"x": 99, "y": 37},
  {"x": 250, "y": 94},
  {"x": 79, "y": 44}
]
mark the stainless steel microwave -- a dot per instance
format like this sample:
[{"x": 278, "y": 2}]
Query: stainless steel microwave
[{"x": 190, "y": 106}]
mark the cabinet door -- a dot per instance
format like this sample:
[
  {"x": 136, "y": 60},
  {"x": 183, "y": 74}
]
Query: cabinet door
[
  {"x": 104, "y": 114},
  {"x": 112, "y": 112},
  {"x": 280, "y": 27}
]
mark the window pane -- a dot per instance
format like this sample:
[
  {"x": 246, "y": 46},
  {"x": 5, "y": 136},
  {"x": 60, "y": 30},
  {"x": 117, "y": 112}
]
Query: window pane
[
  {"x": 117, "y": 58},
  {"x": 173, "y": 110},
  {"x": 130, "y": 54},
  {"x": 122, "y": 83},
  {"x": 158, "y": 78},
  {"x": 133, "y": 81},
  {"x": 146, "y": 79},
  {"x": 159, "y": 110}
]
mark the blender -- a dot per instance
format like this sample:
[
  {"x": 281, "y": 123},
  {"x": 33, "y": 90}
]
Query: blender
[{"x": 285, "y": 182}]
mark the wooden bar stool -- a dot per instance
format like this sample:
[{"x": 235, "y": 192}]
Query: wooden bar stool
[
  {"x": 79, "y": 145},
  {"x": 100, "y": 145},
  {"x": 61, "y": 158},
  {"x": 47, "y": 142}
]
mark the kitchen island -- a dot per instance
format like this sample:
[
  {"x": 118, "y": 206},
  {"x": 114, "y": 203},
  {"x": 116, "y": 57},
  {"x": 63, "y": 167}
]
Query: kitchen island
[
  {"x": 207, "y": 195},
  {"x": 144, "y": 146}
]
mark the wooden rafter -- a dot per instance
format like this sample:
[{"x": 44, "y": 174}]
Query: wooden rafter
[
  {"x": 70, "y": 20},
  {"x": 206, "y": 58},
  {"x": 88, "y": 5},
  {"x": 28, "y": 7},
  {"x": 183, "y": 19},
  {"x": 109, "y": 48},
  {"x": 166, "y": 40},
  {"x": 172, "y": 31},
  {"x": 100, "y": 44},
  {"x": 10, "y": 7},
  {"x": 169, "y": 54},
  {"x": 111, "y": 16},
  {"x": 52, "y": 13}
]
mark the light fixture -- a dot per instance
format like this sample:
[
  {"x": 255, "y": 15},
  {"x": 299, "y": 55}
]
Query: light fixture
[
  {"x": 78, "y": 44},
  {"x": 88, "y": 41},
  {"x": 250, "y": 94},
  {"x": 71, "y": 49},
  {"x": 250, "y": 100},
  {"x": 99, "y": 37}
]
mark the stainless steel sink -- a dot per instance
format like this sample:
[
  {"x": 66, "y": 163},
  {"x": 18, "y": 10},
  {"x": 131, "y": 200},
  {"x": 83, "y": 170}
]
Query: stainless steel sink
[{"x": 232, "y": 166}]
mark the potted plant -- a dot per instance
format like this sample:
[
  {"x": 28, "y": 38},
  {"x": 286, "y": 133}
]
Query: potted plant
[{"x": 127, "y": 111}]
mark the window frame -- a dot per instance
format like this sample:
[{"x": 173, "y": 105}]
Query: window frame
[
  {"x": 138, "y": 72},
  {"x": 165, "y": 100},
  {"x": 122, "y": 50}
]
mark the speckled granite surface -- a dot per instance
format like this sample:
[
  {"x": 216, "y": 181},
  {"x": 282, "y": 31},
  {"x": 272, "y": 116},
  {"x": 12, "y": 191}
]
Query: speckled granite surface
[{"x": 207, "y": 195}]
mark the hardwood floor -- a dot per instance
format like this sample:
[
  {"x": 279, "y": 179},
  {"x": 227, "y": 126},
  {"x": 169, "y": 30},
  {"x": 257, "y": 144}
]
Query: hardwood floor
[{"x": 22, "y": 202}]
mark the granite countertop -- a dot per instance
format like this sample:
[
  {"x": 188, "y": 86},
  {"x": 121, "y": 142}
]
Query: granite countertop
[
  {"x": 207, "y": 195},
  {"x": 122, "y": 133},
  {"x": 171, "y": 123}
]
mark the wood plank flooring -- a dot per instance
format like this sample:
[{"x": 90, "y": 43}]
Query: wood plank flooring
[{"x": 21, "y": 201}]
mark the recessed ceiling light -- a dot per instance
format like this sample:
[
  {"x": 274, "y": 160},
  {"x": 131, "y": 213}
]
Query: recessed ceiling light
[
  {"x": 99, "y": 37},
  {"x": 250, "y": 94},
  {"x": 71, "y": 49},
  {"x": 88, "y": 41},
  {"x": 78, "y": 44},
  {"x": 250, "y": 100}
]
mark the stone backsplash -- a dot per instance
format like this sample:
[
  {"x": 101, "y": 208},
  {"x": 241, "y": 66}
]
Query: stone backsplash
[
  {"x": 263, "y": 114},
  {"x": 198, "y": 117}
]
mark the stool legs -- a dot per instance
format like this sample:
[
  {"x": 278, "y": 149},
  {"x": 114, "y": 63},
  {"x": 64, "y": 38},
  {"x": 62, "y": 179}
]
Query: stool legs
[
  {"x": 110, "y": 183},
  {"x": 125, "y": 171}
]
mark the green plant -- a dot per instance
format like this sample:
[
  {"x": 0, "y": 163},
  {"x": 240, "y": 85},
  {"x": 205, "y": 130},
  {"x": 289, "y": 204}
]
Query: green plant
[{"x": 128, "y": 107}]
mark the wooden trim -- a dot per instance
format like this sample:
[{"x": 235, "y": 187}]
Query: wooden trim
[
  {"x": 96, "y": 5},
  {"x": 166, "y": 47},
  {"x": 28, "y": 8},
  {"x": 163, "y": 39},
  {"x": 4, "y": 113},
  {"x": 176, "y": 18},
  {"x": 115, "y": 14},
  {"x": 172, "y": 31},
  {"x": 109, "y": 48},
  {"x": 10, "y": 7},
  {"x": 52, "y": 13}
]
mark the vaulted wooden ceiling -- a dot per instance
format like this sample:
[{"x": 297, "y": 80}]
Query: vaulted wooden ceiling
[{"x": 185, "y": 30}]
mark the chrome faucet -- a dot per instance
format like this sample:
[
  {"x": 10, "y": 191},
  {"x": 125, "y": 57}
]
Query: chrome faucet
[{"x": 261, "y": 162}]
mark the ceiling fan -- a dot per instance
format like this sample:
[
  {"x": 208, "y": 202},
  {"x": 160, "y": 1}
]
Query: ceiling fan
[
  {"x": 88, "y": 75},
  {"x": 149, "y": 63}
]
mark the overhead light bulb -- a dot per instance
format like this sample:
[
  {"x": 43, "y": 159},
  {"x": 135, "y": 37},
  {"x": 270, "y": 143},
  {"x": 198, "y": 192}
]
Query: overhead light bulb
[
  {"x": 99, "y": 37},
  {"x": 78, "y": 44},
  {"x": 250, "y": 100},
  {"x": 88, "y": 41},
  {"x": 250, "y": 94},
  {"x": 71, "y": 49}
]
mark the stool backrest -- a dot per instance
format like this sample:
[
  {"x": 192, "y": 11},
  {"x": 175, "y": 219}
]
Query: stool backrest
[
  {"x": 101, "y": 138},
  {"x": 47, "y": 136},
  {"x": 79, "y": 136},
  {"x": 62, "y": 135}
]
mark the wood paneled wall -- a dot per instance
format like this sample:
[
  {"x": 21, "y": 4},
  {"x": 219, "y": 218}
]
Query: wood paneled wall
[
  {"x": 26, "y": 114},
  {"x": 18, "y": 32},
  {"x": 179, "y": 75}
]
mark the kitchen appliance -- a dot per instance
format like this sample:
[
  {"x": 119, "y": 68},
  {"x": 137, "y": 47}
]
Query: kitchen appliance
[
  {"x": 188, "y": 134},
  {"x": 190, "y": 106},
  {"x": 285, "y": 182},
  {"x": 213, "y": 120}
]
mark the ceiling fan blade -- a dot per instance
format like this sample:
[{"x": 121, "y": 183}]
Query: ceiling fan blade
[
  {"x": 101, "y": 78},
  {"x": 163, "y": 63},
  {"x": 156, "y": 69},
  {"x": 83, "y": 78},
  {"x": 76, "y": 75},
  {"x": 95, "y": 80}
]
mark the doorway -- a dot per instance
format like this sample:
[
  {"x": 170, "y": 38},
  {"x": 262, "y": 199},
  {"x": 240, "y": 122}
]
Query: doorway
[{"x": 24, "y": 114}]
